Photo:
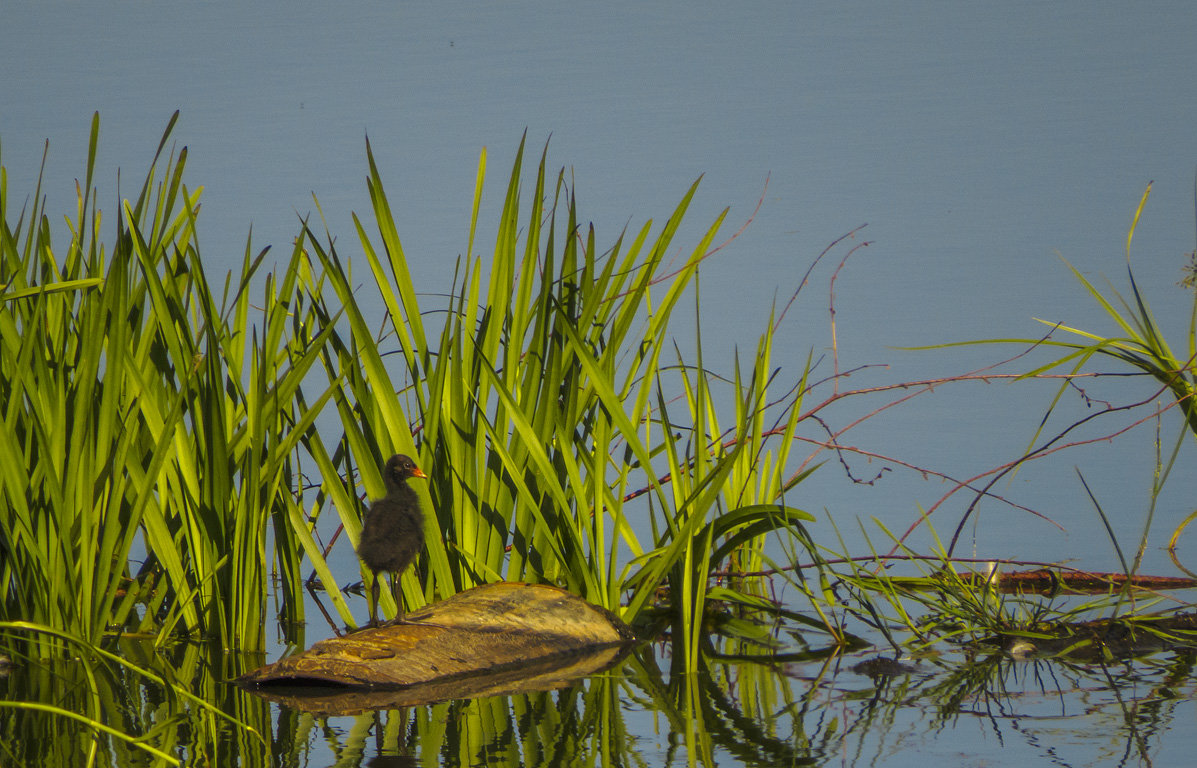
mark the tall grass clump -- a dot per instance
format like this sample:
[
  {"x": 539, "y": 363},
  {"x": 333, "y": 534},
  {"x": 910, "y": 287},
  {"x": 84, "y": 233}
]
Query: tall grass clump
[
  {"x": 566, "y": 441},
  {"x": 154, "y": 422},
  {"x": 149, "y": 422}
]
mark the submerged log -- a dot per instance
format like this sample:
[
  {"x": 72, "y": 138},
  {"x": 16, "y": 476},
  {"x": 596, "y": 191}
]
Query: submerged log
[
  {"x": 485, "y": 640},
  {"x": 1100, "y": 639}
]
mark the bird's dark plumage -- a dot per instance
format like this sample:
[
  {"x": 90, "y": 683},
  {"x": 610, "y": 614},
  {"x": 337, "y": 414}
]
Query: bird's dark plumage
[{"x": 393, "y": 528}]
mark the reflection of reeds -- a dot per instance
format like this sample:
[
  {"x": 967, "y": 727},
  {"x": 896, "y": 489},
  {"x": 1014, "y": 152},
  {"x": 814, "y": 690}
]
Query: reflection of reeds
[{"x": 116, "y": 706}]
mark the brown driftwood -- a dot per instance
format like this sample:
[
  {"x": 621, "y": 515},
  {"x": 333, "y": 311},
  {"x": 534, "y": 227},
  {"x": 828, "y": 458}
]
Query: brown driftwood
[
  {"x": 1050, "y": 580},
  {"x": 496, "y": 638}
]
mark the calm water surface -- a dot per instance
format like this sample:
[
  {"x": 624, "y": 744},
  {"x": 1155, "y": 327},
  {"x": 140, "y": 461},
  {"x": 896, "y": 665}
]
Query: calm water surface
[{"x": 978, "y": 143}]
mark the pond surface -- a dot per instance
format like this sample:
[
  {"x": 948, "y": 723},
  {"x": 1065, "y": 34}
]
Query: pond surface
[
  {"x": 979, "y": 144},
  {"x": 955, "y": 708}
]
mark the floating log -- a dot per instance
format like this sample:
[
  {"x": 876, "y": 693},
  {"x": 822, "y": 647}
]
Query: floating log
[
  {"x": 1050, "y": 580},
  {"x": 496, "y": 638}
]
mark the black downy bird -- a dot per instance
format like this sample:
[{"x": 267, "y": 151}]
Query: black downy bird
[{"x": 393, "y": 530}]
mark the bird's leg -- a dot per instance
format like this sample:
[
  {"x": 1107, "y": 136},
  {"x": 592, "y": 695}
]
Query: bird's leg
[
  {"x": 374, "y": 600},
  {"x": 401, "y": 612},
  {"x": 397, "y": 593}
]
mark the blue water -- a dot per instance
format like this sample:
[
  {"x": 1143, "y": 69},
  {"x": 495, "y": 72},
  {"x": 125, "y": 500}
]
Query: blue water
[{"x": 978, "y": 142}]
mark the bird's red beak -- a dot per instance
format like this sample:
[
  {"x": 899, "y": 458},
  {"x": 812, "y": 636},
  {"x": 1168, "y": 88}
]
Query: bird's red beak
[{"x": 416, "y": 472}]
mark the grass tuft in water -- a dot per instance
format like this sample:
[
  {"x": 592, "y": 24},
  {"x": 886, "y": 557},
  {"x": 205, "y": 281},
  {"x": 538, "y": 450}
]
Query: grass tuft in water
[
  {"x": 556, "y": 434},
  {"x": 161, "y": 427},
  {"x": 149, "y": 423}
]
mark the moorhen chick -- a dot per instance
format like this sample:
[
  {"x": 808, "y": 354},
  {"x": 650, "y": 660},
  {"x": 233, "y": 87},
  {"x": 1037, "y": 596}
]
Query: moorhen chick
[{"x": 393, "y": 530}]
